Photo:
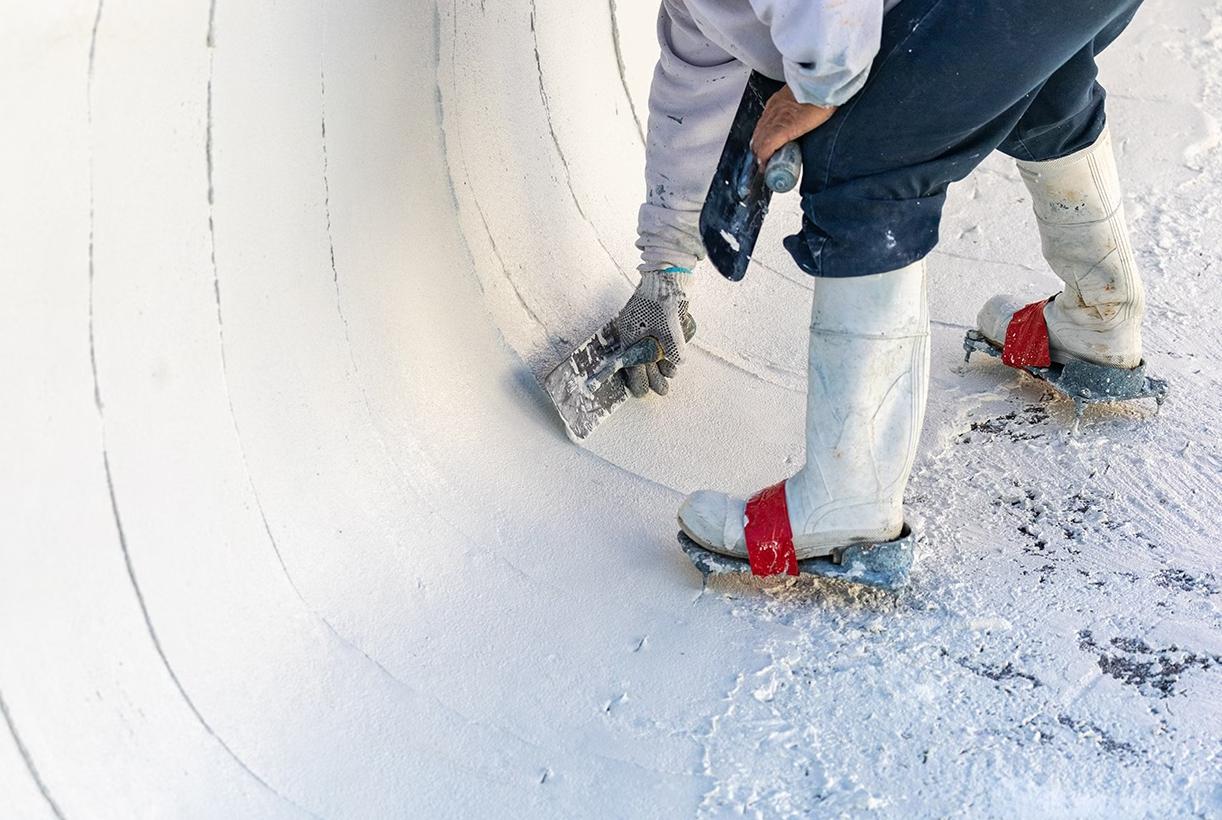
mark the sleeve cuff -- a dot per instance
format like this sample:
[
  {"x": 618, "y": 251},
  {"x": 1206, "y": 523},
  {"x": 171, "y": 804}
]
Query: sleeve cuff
[{"x": 811, "y": 87}]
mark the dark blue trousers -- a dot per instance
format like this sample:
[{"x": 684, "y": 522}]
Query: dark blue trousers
[{"x": 954, "y": 81}]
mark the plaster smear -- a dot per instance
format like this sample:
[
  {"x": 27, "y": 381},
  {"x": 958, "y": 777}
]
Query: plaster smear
[{"x": 292, "y": 531}]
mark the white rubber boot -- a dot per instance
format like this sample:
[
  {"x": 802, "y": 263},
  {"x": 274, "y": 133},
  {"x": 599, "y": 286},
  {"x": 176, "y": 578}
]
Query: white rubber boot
[
  {"x": 869, "y": 376},
  {"x": 1086, "y": 242}
]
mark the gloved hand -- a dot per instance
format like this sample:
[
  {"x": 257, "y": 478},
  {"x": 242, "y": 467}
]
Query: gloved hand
[{"x": 658, "y": 308}]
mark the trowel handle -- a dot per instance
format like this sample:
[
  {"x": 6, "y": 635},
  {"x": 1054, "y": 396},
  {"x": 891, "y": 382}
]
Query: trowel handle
[
  {"x": 646, "y": 351},
  {"x": 784, "y": 168}
]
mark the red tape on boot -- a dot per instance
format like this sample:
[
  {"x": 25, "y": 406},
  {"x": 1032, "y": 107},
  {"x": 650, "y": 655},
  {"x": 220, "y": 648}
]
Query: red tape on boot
[
  {"x": 1027, "y": 338},
  {"x": 769, "y": 536}
]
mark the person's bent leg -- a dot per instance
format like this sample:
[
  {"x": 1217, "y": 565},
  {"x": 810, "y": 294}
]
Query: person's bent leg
[
  {"x": 952, "y": 80},
  {"x": 1085, "y": 240},
  {"x": 1068, "y": 112},
  {"x": 1064, "y": 153},
  {"x": 868, "y": 379}
]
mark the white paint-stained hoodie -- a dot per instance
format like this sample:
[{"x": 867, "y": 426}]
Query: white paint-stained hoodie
[{"x": 821, "y": 48}]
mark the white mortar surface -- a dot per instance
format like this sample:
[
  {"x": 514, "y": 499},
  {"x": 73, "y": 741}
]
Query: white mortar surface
[{"x": 289, "y": 528}]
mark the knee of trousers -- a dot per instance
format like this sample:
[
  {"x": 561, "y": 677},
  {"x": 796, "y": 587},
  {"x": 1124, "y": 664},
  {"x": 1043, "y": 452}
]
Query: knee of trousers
[
  {"x": 1052, "y": 129},
  {"x": 856, "y": 236}
]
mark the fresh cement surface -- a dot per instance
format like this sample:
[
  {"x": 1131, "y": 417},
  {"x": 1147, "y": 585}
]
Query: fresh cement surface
[{"x": 290, "y": 530}]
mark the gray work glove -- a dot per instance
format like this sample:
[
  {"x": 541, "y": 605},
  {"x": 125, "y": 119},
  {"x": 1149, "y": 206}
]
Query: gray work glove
[{"x": 658, "y": 308}]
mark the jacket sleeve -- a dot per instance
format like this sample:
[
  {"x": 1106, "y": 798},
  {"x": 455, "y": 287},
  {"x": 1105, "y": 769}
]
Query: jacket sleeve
[{"x": 827, "y": 45}]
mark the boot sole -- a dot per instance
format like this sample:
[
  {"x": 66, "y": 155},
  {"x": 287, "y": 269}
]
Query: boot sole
[
  {"x": 802, "y": 553},
  {"x": 884, "y": 565}
]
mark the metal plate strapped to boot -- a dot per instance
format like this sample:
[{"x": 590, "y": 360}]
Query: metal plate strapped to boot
[
  {"x": 884, "y": 565},
  {"x": 1026, "y": 348},
  {"x": 770, "y": 547}
]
